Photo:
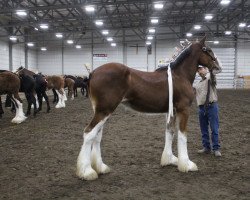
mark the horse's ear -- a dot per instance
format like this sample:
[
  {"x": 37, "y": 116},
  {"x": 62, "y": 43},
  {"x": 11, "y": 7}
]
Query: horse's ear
[{"x": 203, "y": 40}]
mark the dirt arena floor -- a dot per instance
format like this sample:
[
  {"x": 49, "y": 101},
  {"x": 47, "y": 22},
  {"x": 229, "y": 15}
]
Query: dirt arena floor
[{"x": 38, "y": 157}]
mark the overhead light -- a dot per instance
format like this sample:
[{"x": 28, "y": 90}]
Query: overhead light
[
  {"x": 70, "y": 41},
  {"x": 216, "y": 42},
  {"x": 36, "y": 28},
  {"x": 30, "y": 44},
  {"x": 154, "y": 21},
  {"x": 59, "y": 35},
  {"x": 21, "y": 12},
  {"x": 44, "y": 26},
  {"x": 90, "y": 8},
  {"x": 78, "y": 46},
  {"x": 189, "y": 34},
  {"x": 242, "y": 25},
  {"x": 248, "y": 26},
  {"x": 148, "y": 43},
  {"x": 110, "y": 39},
  {"x": 113, "y": 44},
  {"x": 43, "y": 48},
  {"x": 151, "y": 30},
  {"x": 105, "y": 32},
  {"x": 228, "y": 32},
  {"x": 197, "y": 27},
  {"x": 158, "y": 6},
  {"x": 224, "y": 2},
  {"x": 13, "y": 38},
  {"x": 150, "y": 37},
  {"x": 208, "y": 17},
  {"x": 99, "y": 23}
]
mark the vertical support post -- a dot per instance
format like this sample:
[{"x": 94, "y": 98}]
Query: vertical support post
[
  {"x": 26, "y": 61},
  {"x": 155, "y": 54},
  {"x": 92, "y": 51},
  {"x": 10, "y": 57},
  {"x": 235, "y": 62},
  {"x": 62, "y": 58}
]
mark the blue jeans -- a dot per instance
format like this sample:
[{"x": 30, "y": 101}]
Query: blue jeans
[{"x": 206, "y": 118}]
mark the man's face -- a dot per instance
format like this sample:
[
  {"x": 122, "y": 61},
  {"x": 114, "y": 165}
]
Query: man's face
[{"x": 202, "y": 71}]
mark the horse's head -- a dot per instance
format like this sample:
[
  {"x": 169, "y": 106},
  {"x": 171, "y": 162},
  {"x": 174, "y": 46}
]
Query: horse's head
[
  {"x": 19, "y": 71},
  {"x": 207, "y": 57}
]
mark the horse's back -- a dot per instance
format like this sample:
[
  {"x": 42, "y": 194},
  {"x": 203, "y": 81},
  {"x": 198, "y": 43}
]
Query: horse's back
[{"x": 9, "y": 82}]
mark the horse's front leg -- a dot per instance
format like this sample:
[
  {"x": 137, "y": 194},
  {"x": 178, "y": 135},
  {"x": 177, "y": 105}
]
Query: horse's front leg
[
  {"x": 168, "y": 158},
  {"x": 84, "y": 168},
  {"x": 184, "y": 164}
]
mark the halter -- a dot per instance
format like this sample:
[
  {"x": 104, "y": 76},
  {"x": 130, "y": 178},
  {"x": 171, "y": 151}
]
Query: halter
[{"x": 19, "y": 70}]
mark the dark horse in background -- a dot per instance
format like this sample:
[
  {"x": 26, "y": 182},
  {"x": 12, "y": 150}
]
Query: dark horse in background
[
  {"x": 40, "y": 85},
  {"x": 10, "y": 85},
  {"x": 113, "y": 83},
  {"x": 79, "y": 83},
  {"x": 28, "y": 88}
]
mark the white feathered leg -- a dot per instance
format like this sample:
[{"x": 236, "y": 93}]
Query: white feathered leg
[
  {"x": 96, "y": 158},
  {"x": 184, "y": 164},
  {"x": 168, "y": 158},
  {"x": 20, "y": 117},
  {"x": 84, "y": 169}
]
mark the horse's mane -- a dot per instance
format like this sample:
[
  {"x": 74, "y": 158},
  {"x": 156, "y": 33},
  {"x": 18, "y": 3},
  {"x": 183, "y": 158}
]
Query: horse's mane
[{"x": 178, "y": 59}]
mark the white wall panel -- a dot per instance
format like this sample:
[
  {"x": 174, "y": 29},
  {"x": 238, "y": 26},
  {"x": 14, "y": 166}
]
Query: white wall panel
[
  {"x": 74, "y": 60},
  {"x": 243, "y": 59},
  {"x": 114, "y": 54},
  {"x": 32, "y": 60},
  {"x": 18, "y": 56},
  {"x": 50, "y": 62},
  {"x": 4, "y": 55}
]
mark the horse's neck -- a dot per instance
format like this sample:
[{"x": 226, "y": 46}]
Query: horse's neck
[{"x": 188, "y": 68}]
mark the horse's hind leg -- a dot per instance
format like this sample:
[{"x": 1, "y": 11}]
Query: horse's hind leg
[
  {"x": 47, "y": 100},
  {"x": 168, "y": 158},
  {"x": 20, "y": 117},
  {"x": 1, "y": 108},
  {"x": 184, "y": 164},
  {"x": 84, "y": 169},
  {"x": 96, "y": 158}
]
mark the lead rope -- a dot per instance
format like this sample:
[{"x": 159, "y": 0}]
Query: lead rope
[{"x": 170, "y": 96}]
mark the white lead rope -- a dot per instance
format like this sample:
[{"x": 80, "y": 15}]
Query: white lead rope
[{"x": 170, "y": 96}]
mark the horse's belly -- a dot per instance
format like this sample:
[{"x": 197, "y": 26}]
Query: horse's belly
[{"x": 146, "y": 107}]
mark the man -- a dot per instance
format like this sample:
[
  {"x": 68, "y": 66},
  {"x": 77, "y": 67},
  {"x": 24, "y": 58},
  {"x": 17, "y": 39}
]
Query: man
[{"x": 206, "y": 96}]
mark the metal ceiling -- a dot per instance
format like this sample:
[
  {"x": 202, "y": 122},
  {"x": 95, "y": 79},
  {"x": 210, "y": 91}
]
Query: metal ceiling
[{"x": 126, "y": 20}]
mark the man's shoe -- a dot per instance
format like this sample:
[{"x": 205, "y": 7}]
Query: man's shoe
[
  {"x": 204, "y": 151},
  {"x": 217, "y": 153}
]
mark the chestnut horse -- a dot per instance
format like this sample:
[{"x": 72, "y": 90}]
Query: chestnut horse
[
  {"x": 113, "y": 83},
  {"x": 10, "y": 84},
  {"x": 69, "y": 83},
  {"x": 57, "y": 83}
]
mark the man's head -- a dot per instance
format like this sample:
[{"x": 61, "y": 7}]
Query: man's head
[{"x": 202, "y": 71}]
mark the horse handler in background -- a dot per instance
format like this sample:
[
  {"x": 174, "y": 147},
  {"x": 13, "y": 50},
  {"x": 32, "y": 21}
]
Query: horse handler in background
[{"x": 206, "y": 96}]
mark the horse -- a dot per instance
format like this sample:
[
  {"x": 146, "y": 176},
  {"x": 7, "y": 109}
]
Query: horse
[
  {"x": 79, "y": 83},
  {"x": 40, "y": 85},
  {"x": 147, "y": 92},
  {"x": 57, "y": 83},
  {"x": 10, "y": 84},
  {"x": 69, "y": 83}
]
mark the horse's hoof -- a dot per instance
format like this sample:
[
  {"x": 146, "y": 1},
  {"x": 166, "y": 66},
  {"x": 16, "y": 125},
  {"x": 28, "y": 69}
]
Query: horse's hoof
[
  {"x": 169, "y": 160},
  {"x": 187, "y": 166},
  {"x": 88, "y": 174}
]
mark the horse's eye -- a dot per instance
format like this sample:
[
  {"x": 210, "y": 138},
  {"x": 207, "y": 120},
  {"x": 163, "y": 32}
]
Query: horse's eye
[{"x": 204, "y": 49}]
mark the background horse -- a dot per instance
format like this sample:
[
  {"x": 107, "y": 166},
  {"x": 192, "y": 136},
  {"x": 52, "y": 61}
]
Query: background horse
[
  {"x": 68, "y": 83},
  {"x": 147, "y": 92},
  {"x": 10, "y": 84},
  {"x": 79, "y": 83},
  {"x": 57, "y": 83},
  {"x": 40, "y": 85}
]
